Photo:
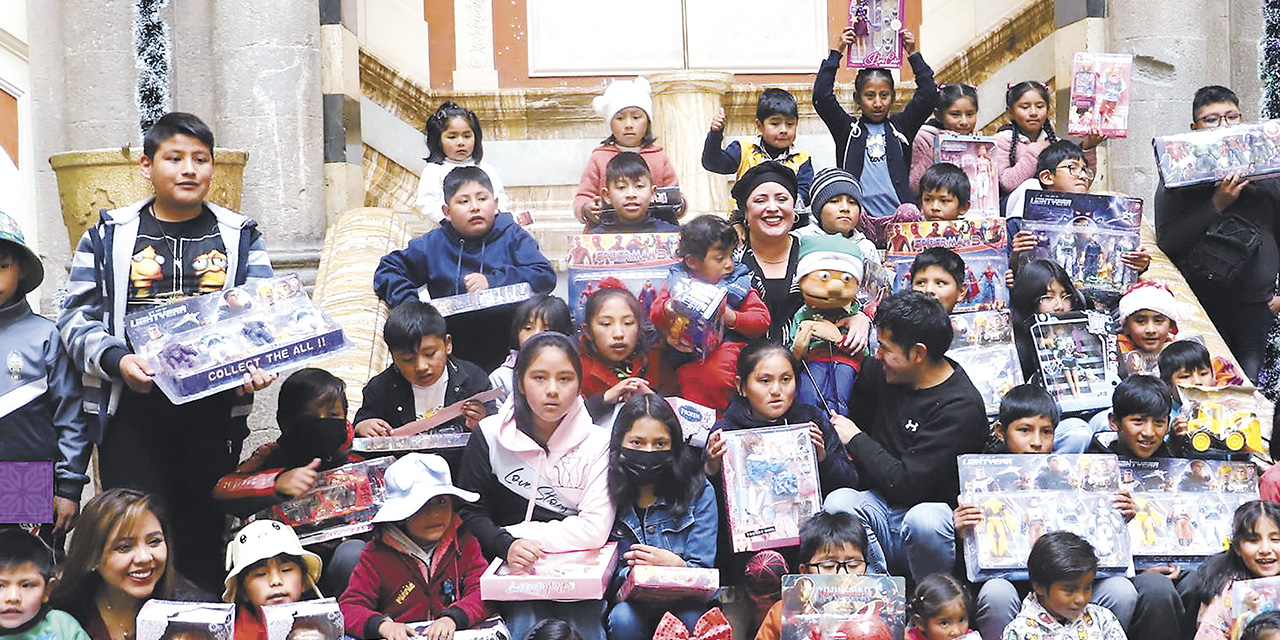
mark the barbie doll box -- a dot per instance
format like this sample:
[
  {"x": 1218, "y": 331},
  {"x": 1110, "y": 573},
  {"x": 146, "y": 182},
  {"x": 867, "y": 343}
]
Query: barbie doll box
[
  {"x": 1101, "y": 84},
  {"x": 877, "y": 28},
  {"x": 771, "y": 485},
  {"x": 568, "y": 577},
  {"x": 973, "y": 154},
  {"x": 1078, "y": 359}
]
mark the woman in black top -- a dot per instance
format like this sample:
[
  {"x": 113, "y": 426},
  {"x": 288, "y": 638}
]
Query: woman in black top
[{"x": 766, "y": 199}]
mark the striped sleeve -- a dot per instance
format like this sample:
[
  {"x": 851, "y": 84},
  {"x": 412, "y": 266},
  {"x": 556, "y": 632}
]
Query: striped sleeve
[
  {"x": 258, "y": 265},
  {"x": 82, "y": 322}
]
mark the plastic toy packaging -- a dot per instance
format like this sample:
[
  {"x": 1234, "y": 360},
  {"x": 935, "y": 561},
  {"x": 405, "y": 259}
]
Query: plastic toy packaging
[
  {"x": 696, "y": 420},
  {"x": 342, "y": 502},
  {"x": 1251, "y": 598},
  {"x": 877, "y": 27},
  {"x": 430, "y": 441},
  {"x": 1022, "y": 497},
  {"x": 843, "y": 606},
  {"x": 771, "y": 485},
  {"x": 1227, "y": 419},
  {"x": 651, "y": 583},
  {"x": 1184, "y": 507},
  {"x": 1087, "y": 234},
  {"x": 981, "y": 242},
  {"x": 476, "y": 300},
  {"x": 567, "y": 577},
  {"x": 205, "y": 344},
  {"x": 1101, "y": 84},
  {"x": 491, "y": 628},
  {"x": 199, "y": 620},
  {"x": 1209, "y": 155},
  {"x": 698, "y": 326},
  {"x": 974, "y": 155},
  {"x": 667, "y": 204},
  {"x": 640, "y": 260},
  {"x": 983, "y": 346},
  {"x": 1077, "y": 358},
  {"x": 310, "y": 619}
]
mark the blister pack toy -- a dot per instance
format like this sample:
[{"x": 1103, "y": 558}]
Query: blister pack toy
[
  {"x": 205, "y": 344},
  {"x": 342, "y": 502},
  {"x": 698, "y": 325},
  {"x": 1184, "y": 507},
  {"x": 841, "y": 606},
  {"x": 1077, "y": 357},
  {"x": 476, "y": 300},
  {"x": 877, "y": 27},
  {"x": 1101, "y": 84},
  {"x": 429, "y": 441},
  {"x": 640, "y": 260},
  {"x": 1087, "y": 234},
  {"x": 491, "y": 628},
  {"x": 1251, "y": 598},
  {"x": 651, "y": 583},
  {"x": 1227, "y": 419},
  {"x": 668, "y": 204},
  {"x": 1022, "y": 497},
  {"x": 983, "y": 346},
  {"x": 982, "y": 244},
  {"x": 319, "y": 618},
  {"x": 567, "y": 577},
  {"x": 974, "y": 155},
  {"x": 1209, "y": 155},
  {"x": 771, "y": 485},
  {"x": 204, "y": 620}
]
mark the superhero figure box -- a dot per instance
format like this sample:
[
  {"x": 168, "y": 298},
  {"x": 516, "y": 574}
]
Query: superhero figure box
[
  {"x": 839, "y": 606},
  {"x": 983, "y": 346},
  {"x": 771, "y": 485},
  {"x": 194, "y": 620},
  {"x": 974, "y": 155},
  {"x": 1077, "y": 358},
  {"x": 982, "y": 244},
  {"x": 877, "y": 27},
  {"x": 306, "y": 620},
  {"x": 567, "y": 577},
  {"x": 1184, "y": 507},
  {"x": 649, "y": 583},
  {"x": 1022, "y": 497},
  {"x": 342, "y": 502},
  {"x": 640, "y": 260},
  {"x": 1100, "y": 88},
  {"x": 1086, "y": 233},
  {"x": 205, "y": 344},
  {"x": 1209, "y": 155}
]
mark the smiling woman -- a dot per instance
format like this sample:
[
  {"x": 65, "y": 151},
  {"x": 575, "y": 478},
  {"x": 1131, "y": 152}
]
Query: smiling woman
[{"x": 766, "y": 197}]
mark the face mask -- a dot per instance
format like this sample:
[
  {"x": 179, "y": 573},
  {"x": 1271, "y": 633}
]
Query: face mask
[
  {"x": 645, "y": 467},
  {"x": 314, "y": 438}
]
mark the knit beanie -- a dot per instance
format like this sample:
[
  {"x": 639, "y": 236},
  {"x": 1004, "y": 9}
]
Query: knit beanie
[
  {"x": 33, "y": 270},
  {"x": 622, "y": 94},
  {"x": 1151, "y": 295},
  {"x": 836, "y": 253},
  {"x": 771, "y": 171},
  {"x": 828, "y": 184}
]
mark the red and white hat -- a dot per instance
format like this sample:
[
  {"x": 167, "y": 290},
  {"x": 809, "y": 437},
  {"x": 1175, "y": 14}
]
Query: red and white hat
[{"x": 1151, "y": 295}]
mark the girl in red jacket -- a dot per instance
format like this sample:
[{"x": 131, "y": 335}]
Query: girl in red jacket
[
  {"x": 618, "y": 362},
  {"x": 422, "y": 565},
  {"x": 268, "y": 566}
]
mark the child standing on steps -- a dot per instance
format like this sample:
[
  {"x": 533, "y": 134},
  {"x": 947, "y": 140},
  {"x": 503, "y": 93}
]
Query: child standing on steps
[{"x": 454, "y": 139}]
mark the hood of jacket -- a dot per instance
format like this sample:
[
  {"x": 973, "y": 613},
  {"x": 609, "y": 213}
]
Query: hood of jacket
[
  {"x": 449, "y": 256},
  {"x": 574, "y": 429}
]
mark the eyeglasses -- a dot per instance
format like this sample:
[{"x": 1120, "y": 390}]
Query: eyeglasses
[
  {"x": 1077, "y": 171},
  {"x": 833, "y": 566},
  {"x": 1213, "y": 119}
]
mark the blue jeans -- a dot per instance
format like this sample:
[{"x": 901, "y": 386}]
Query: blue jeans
[
  {"x": 999, "y": 602},
  {"x": 829, "y": 387},
  {"x": 586, "y": 616},
  {"x": 638, "y": 621},
  {"x": 920, "y": 539}
]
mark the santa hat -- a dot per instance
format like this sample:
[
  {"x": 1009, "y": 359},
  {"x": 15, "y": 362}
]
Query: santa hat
[
  {"x": 1150, "y": 295},
  {"x": 835, "y": 253},
  {"x": 622, "y": 94}
]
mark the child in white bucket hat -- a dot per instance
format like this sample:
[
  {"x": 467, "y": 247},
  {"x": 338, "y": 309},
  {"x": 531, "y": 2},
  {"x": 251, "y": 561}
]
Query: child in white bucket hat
[
  {"x": 422, "y": 563},
  {"x": 267, "y": 565}
]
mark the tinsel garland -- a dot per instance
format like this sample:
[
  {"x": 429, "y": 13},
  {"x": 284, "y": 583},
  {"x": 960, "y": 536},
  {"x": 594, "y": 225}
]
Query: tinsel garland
[
  {"x": 1269, "y": 58},
  {"x": 153, "y": 56}
]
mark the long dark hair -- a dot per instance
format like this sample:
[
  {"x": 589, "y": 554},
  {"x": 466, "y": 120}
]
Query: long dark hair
[
  {"x": 530, "y": 350},
  {"x": 681, "y": 487},
  {"x": 1220, "y": 570},
  {"x": 1032, "y": 282},
  {"x": 646, "y": 336},
  {"x": 439, "y": 121},
  {"x": 1011, "y": 97}
]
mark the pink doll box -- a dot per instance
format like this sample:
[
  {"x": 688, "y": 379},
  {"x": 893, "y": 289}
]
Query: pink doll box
[
  {"x": 1101, "y": 85},
  {"x": 647, "y": 583},
  {"x": 975, "y": 155},
  {"x": 771, "y": 485},
  {"x": 877, "y": 26},
  {"x": 567, "y": 577}
]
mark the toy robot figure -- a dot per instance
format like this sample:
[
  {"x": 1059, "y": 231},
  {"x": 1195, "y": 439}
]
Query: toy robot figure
[
  {"x": 179, "y": 356},
  {"x": 219, "y": 348},
  {"x": 1067, "y": 352},
  {"x": 996, "y": 526},
  {"x": 1146, "y": 519},
  {"x": 1035, "y": 520},
  {"x": 1183, "y": 528},
  {"x": 257, "y": 333},
  {"x": 1065, "y": 252}
]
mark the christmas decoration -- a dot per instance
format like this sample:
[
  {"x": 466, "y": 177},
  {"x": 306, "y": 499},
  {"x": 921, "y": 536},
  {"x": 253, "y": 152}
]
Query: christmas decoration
[
  {"x": 1269, "y": 59},
  {"x": 153, "y": 58}
]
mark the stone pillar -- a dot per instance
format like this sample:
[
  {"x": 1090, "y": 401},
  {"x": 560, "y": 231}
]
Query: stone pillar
[
  {"x": 683, "y": 104},
  {"x": 473, "y": 42},
  {"x": 340, "y": 82}
]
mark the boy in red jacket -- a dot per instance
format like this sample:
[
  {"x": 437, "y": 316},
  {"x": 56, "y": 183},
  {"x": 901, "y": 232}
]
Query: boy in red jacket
[{"x": 422, "y": 564}]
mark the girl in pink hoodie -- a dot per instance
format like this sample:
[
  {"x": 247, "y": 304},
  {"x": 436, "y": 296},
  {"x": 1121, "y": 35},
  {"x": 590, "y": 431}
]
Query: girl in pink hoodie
[
  {"x": 1030, "y": 131},
  {"x": 957, "y": 112}
]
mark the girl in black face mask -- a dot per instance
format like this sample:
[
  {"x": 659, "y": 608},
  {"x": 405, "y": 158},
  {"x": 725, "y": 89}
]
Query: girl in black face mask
[{"x": 667, "y": 513}]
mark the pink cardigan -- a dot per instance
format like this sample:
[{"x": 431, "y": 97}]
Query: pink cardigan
[
  {"x": 923, "y": 155},
  {"x": 593, "y": 182},
  {"x": 1028, "y": 153}
]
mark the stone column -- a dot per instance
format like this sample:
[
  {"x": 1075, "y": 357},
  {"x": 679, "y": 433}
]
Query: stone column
[
  {"x": 683, "y": 104},
  {"x": 473, "y": 42}
]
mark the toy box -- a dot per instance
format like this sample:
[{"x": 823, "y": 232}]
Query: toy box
[
  {"x": 1209, "y": 155},
  {"x": 205, "y": 344},
  {"x": 430, "y": 441},
  {"x": 668, "y": 204},
  {"x": 640, "y": 260},
  {"x": 445, "y": 414},
  {"x": 307, "y": 619},
  {"x": 877, "y": 25},
  {"x": 1101, "y": 84},
  {"x": 1025, "y": 496},
  {"x": 476, "y": 300},
  {"x": 771, "y": 485},
  {"x": 1250, "y": 598},
  {"x": 202, "y": 620},
  {"x": 973, "y": 154},
  {"x": 1077, "y": 358},
  {"x": 567, "y": 577},
  {"x": 1227, "y": 418},
  {"x": 1184, "y": 507},
  {"x": 648, "y": 583},
  {"x": 491, "y": 628},
  {"x": 839, "y": 606},
  {"x": 698, "y": 326},
  {"x": 342, "y": 502},
  {"x": 983, "y": 346},
  {"x": 696, "y": 420},
  {"x": 1086, "y": 233},
  {"x": 982, "y": 244}
]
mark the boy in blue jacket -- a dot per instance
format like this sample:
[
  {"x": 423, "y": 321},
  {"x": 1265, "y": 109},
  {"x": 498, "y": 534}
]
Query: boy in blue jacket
[{"x": 475, "y": 248}]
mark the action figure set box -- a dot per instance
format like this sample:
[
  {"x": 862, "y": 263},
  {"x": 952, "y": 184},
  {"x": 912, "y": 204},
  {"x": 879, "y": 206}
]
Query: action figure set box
[
  {"x": 306, "y": 619},
  {"x": 649, "y": 583},
  {"x": 1227, "y": 419},
  {"x": 982, "y": 243},
  {"x": 877, "y": 28},
  {"x": 771, "y": 485},
  {"x": 491, "y": 628},
  {"x": 342, "y": 502},
  {"x": 567, "y": 577},
  {"x": 1209, "y": 155},
  {"x": 1100, "y": 90},
  {"x": 476, "y": 300},
  {"x": 204, "y": 344},
  {"x": 172, "y": 619},
  {"x": 983, "y": 346},
  {"x": 974, "y": 155},
  {"x": 1184, "y": 507},
  {"x": 1087, "y": 234},
  {"x": 839, "y": 606},
  {"x": 1022, "y": 497},
  {"x": 1078, "y": 359},
  {"x": 641, "y": 261}
]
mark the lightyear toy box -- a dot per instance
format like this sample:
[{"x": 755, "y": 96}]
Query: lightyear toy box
[
  {"x": 983, "y": 346},
  {"x": 1251, "y": 598},
  {"x": 1086, "y": 233},
  {"x": 307, "y": 619},
  {"x": 1227, "y": 418},
  {"x": 982, "y": 244},
  {"x": 839, "y": 606},
  {"x": 974, "y": 155},
  {"x": 476, "y": 300},
  {"x": 1022, "y": 497},
  {"x": 640, "y": 260},
  {"x": 771, "y": 485},
  {"x": 877, "y": 27},
  {"x": 205, "y": 344},
  {"x": 204, "y": 620},
  {"x": 567, "y": 577},
  {"x": 1077, "y": 358},
  {"x": 342, "y": 502},
  {"x": 491, "y": 628},
  {"x": 1101, "y": 84},
  {"x": 649, "y": 583},
  {"x": 1184, "y": 507},
  {"x": 1209, "y": 155}
]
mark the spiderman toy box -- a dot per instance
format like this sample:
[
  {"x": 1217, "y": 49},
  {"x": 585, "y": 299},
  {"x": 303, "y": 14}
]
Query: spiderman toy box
[
  {"x": 342, "y": 502},
  {"x": 170, "y": 619},
  {"x": 651, "y": 583},
  {"x": 567, "y": 577},
  {"x": 320, "y": 618},
  {"x": 771, "y": 485},
  {"x": 1183, "y": 507},
  {"x": 841, "y": 606},
  {"x": 981, "y": 242}
]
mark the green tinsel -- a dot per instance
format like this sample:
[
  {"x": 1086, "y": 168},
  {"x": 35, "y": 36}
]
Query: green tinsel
[{"x": 1269, "y": 58}]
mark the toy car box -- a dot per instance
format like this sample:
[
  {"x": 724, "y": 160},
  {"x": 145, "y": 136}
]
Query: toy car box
[
  {"x": 641, "y": 261},
  {"x": 877, "y": 27},
  {"x": 982, "y": 243},
  {"x": 1183, "y": 507},
  {"x": 1227, "y": 418},
  {"x": 567, "y": 577},
  {"x": 167, "y": 618},
  {"x": 1086, "y": 233},
  {"x": 649, "y": 583},
  {"x": 842, "y": 606},
  {"x": 342, "y": 502},
  {"x": 771, "y": 485},
  {"x": 1101, "y": 84},
  {"x": 974, "y": 155},
  {"x": 1077, "y": 357},
  {"x": 983, "y": 346},
  {"x": 1209, "y": 155},
  {"x": 320, "y": 618}
]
